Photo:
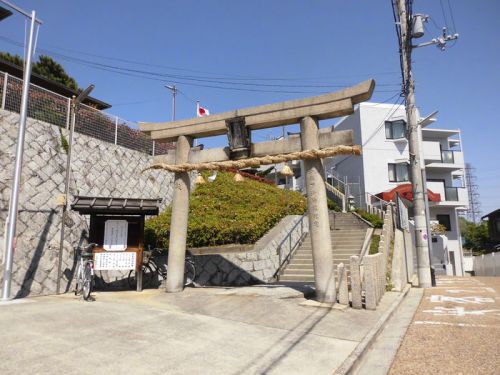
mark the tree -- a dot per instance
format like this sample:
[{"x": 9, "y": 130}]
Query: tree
[
  {"x": 45, "y": 67},
  {"x": 475, "y": 235}
]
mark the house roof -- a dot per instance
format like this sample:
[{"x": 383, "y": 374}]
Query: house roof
[
  {"x": 492, "y": 213},
  {"x": 48, "y": 84},
  {"x": 121, "y": 206}
]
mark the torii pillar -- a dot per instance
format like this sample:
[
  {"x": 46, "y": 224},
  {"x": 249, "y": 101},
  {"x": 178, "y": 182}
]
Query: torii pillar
[
  {"x": 319, "y": 222},
  {"x": 238, "y": 125},
  {"x": 179, "y": 220}
]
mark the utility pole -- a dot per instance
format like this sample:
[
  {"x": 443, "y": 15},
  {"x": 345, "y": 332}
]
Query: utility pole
[
  {"x": 421, "y": 235},
  {"x": 411, "y": 26},
  {"x": 174, "y": 94}
]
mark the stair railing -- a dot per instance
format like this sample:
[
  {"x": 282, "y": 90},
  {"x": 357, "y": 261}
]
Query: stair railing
[
  {"x": 375, "y": 205},
  {"x": 337, "y": 196},
  {"x": 293, "y": 245}
]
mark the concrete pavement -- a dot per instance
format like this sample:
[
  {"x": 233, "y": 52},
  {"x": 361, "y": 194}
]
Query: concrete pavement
[
  {"x": 254, "y": 330},
  {"x": 378, "y": 359},
  {"x": 456, "y": 329}
]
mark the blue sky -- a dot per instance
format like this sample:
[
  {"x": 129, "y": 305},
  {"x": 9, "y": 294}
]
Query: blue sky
[{"x": 301, "y": 43}]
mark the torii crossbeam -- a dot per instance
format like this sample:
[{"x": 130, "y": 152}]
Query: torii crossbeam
[{"x": 238, "y": 125}]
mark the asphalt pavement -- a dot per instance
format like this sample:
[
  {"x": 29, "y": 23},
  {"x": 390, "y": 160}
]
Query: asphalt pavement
[{"x": 456, "y": 329}]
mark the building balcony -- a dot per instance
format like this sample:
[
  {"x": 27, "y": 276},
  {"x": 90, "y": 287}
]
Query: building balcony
[
  {"x": 450, "y": 196},
  {"x": 445, "y": 160}
]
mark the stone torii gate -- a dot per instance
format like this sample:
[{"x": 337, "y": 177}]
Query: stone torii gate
[{"x": 238, "y": 125}]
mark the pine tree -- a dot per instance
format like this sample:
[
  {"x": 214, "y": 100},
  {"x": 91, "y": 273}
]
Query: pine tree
[{"x": 45, "y": 67}]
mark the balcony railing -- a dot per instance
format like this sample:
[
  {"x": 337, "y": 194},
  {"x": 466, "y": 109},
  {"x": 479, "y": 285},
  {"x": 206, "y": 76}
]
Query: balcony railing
[
  {"x": 451, "y": 194},
  {"x": 447, "y": 156}
]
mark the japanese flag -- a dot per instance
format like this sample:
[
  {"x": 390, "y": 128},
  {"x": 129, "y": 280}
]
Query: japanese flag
[{"x": 200, "y": 111}]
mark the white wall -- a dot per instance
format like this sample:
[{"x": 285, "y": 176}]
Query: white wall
[
  {"x": 377, "y": 150},
  {"x": 349, "y": 165},
  {"x": 487, "y": 265}
]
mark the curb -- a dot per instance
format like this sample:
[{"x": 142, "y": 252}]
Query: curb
[{"x": 348, "y": 365}]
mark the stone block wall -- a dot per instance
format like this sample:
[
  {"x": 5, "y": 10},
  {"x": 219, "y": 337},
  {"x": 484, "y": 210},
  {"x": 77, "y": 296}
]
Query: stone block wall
[
  {"x": 98, "y": 169},
  {"x": 248, "y": 264}
]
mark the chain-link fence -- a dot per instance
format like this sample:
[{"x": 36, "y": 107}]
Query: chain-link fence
[{"x": 53, "y": 108}]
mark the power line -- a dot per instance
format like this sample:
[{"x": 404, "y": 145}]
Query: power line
[
  {"x": 197, "y": 78},
  {"x": 444, "y": 14},
  {"x": 239, "y": 76},
  {"x": 189, "y": 80},
  {"x": 452, "y": 17}
]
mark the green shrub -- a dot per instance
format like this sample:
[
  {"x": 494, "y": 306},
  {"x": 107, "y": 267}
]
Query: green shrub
[
  {"x": 64, "y": 141},
  {"x": 374, "y": 244},
  {"x": 228, "y": 212},
  {"x": 373, "y": 219},
  {"x": 332, "y": 205}
]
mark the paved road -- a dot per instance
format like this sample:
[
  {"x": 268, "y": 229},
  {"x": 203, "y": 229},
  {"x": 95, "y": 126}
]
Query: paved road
[
  {"x": 200, "y": 331},
  {"x": 456, "y": 329}
]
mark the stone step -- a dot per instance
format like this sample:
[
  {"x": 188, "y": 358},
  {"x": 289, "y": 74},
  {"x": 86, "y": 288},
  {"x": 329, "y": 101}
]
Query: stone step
[
  {"x": 304, "y": 278},
  {"x": 342, "y": 252},
  {"x": 336, "y": 242}
]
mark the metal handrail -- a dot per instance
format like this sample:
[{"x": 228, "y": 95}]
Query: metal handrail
[
  {"x": 383, "y": 202},
  {"x": 366, "y": 244},
  {"x": 339, "y": 181},
  {"x": 292, "y": 247},
  {"x": 340, "y": 195}
]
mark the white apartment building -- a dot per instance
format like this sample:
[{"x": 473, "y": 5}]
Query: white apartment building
[{"x": 384, "y": 164}]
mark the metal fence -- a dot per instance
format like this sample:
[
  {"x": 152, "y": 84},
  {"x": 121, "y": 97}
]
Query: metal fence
[{"x": 48, "y": 106}]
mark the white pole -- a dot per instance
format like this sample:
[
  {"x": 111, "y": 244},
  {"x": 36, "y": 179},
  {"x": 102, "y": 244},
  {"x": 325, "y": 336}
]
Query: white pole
[
  {"x": 4, "y": 92},
  {"x": 14, "y": 197}
]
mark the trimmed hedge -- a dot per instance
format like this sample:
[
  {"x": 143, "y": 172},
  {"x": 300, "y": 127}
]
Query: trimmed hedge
[
  {"x": 228, "y": 212},
  {"x": 373, "y": 219}
]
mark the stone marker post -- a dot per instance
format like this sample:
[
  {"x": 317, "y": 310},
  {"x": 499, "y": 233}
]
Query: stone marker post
[
  {"x": 343, "y": 286},
  {"x": 355, "y": 282},
  {"x": 179, "y": 221},
  {"x": 319, "y": 224}
]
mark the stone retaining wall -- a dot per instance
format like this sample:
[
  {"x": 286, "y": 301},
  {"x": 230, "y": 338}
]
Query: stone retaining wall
[
  {"x": 238, "y": 265},
  {"x": 98, "y": 169}
]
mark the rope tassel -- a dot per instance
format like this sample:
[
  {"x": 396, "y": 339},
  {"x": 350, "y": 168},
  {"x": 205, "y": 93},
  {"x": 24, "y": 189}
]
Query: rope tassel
[{"x": 258, "y": 161}]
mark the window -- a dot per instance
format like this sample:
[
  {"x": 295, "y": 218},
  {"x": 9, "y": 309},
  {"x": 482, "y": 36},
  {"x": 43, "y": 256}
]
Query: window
[
  {"x": 398, "y": 172},
  {"x": 444, "y": 220},
  {"x": 395, "y": 129}
]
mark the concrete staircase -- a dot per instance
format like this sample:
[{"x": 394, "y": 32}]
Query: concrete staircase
[{"x": 348, "y": 234}]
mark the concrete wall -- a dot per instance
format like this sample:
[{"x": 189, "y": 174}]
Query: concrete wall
[
  {"x": 99, "y": 169},
  {"x": 487, "y": 265}
]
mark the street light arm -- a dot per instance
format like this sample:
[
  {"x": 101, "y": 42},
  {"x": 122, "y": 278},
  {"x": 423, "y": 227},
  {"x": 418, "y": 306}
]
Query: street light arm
[{"x": 19, "y": 10}]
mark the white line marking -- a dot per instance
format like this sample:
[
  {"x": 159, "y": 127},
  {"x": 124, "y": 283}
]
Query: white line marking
[
  {"x": 480, "y": 289},
  {"x": 459, "y": 311},
  {"x": 472, "y": 299},
  {"x": 432, "y": 322}
]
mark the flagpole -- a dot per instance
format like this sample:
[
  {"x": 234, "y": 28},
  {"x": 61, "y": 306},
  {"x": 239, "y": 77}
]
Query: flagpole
[{"x": 197, "y": 115}]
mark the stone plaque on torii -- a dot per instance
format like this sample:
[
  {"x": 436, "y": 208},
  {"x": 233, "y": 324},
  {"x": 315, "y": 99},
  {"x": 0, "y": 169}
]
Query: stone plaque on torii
[{"x": 310, "y": 146}]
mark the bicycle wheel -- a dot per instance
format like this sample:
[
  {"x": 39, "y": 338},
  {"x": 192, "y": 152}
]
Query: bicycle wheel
[
  {"x": 147, "y": 277},
  {"x": 189, "y": 272},
  {"x": 79, "y": 279},
  {"x": 87, "y": 281}
]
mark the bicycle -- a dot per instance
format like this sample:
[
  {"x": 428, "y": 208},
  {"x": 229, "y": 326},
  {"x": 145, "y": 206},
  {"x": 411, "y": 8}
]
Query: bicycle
[
  {"x": 85, "y": 271},
  {"x": 152, "y": 270}
]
